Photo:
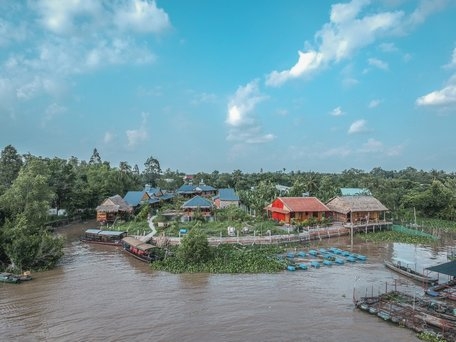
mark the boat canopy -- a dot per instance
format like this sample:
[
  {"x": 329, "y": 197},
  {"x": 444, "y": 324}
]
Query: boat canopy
[
  {"x": 105, "y": 232},
  {"x": 137, "y": 243},
  {"x": 403, "y": 261},
  {"x": 448, "y": 268}
]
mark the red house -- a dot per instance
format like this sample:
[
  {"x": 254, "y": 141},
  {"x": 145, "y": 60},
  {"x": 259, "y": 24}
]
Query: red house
[{"x": 298, "y": 208}]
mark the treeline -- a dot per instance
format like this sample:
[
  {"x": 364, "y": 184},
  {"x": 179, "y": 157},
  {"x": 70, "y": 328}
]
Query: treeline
[{"x": 30, "y": 185}]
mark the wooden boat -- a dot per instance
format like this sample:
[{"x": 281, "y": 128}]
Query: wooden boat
[
  {"x": 103, "y": 237},
  {"x": 140, "y": 250},
  {"x": 405, "y": 270},
  {"x": 9, "y": 278}
]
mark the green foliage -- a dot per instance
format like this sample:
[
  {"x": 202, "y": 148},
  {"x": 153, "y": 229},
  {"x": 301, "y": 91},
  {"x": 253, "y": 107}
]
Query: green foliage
[
  {"x": 194, "y": 247},
  {"x": 227, "y": 258},
  {"x": 430, "y": 337},
  {"x": 392, "y": 236},
  {"x": 29, "y": 247}
]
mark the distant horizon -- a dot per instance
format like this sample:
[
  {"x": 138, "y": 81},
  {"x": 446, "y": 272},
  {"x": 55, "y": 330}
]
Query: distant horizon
[
  {"x": 141, "y": 167},
  {"x": 224, "y": 85}
]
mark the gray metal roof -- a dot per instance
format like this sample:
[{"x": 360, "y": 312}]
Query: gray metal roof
[{"x": 448, "y": 268}]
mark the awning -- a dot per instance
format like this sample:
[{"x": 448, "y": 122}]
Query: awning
[{"x": 448, "y": 268}]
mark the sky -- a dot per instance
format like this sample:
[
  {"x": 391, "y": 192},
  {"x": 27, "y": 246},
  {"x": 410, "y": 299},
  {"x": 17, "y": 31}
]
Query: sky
[{"x": 226, "y": 85}]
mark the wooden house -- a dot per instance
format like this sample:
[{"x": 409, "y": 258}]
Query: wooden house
[
  {"x": 112, "y": 208},
  {"x": 357, "y": 209},
  {"x": 286, "y": 209},
  {"x": 226, "y": 197},
  {"x": 197, "y": 204}
]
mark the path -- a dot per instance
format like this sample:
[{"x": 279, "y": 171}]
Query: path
[{"x": 148, "y": 237}]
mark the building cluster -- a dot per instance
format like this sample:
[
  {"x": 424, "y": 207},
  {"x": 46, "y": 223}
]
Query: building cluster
[{"x": 353, "y": 206}]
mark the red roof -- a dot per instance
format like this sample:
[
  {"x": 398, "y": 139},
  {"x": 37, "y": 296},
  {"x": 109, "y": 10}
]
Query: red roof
[{"x": 301, "y": 204}]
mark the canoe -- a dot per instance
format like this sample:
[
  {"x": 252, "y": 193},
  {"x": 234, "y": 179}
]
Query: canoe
[
  {"x": 9, "y": 278},
  {"x": 408, "y": 272}
]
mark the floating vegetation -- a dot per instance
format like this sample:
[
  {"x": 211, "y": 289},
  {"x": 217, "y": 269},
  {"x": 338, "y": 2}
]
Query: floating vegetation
[
  {"x": 228, "y": 258},
  {"x": 392, "y": 236}
]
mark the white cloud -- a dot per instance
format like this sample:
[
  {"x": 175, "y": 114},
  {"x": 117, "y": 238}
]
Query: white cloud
[
  {"x": 142, "y": 16},
  {"x": 452, "y": 63},
  {"x": 52, "y": 111},
  {"x": 358, "y": 126},
  {"x": 387, "y": 47},
  {"x": 374, "y": 103},
  {"x": 62, "y": 17},
  {"x": 378, "y": 63},
  {"x": 243, "y": 126},
  {"x": 337, "y": 111},
  {"x": 108, "y": 137},
  {"x": 372, "y": 145},
  {"x": 348, "y": 31},
  {"x": 137, "y": 136},
  {"x": 442, "y": 97},
  {"x": 243, "y": 103}
]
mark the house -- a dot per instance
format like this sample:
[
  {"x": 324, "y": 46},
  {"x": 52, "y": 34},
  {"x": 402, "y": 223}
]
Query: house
[
  {"x": 357, "y": 209},
  {"x": 298, "y": 208},
  {"x": 225, "y": 198},
  {"x": 153, "y": 196},
  {"x": 197, "y": 204},
  {"x": 112, "y": 208},
  {"x": 355, "y": 192},
  {"x": 190, "y": 190}
]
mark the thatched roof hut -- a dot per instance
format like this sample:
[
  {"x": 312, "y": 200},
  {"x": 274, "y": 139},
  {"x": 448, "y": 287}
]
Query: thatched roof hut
[
  {"x": 356, "y": 208},
  {"x": 111, "y": 208}
]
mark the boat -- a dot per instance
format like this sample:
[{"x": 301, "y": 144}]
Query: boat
[
  {"x": 291, "y": 268},
  {"x": 103, "y": 237},
  {"x": 327, "y": 262},
  {"x": 9, "y": 278},
  {"x": 315, "y": 264},
  {"x": 404, "y": 269},
  {"x": 303, "y": 266},
  {"x": 140, "y": 250}
]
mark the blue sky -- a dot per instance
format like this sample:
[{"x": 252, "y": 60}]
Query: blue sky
[{"x": 223, "y": 85}]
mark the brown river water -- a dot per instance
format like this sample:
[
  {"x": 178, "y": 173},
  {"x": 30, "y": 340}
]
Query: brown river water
[{"x": 98, "y": 293}]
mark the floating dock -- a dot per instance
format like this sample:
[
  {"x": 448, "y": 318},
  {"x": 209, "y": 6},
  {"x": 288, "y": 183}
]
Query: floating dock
[{"x": 417, "y": 314}]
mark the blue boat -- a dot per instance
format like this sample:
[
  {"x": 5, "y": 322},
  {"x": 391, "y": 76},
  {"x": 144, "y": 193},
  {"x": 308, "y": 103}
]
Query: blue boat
[
  {"x": 345, "y": 253},
  {"x": 291, "y": 268},
  {"x": 313, "y": 252},
  {"x": 327, "y": 263},
  {"x": 335, "y": 250},
  {"x": 323, "y": 250},
  {"x": 303, "y": 266},
  {"x": 360, "y": 257},
  {"x": 339, "y": 261},
  {"x": 290, "y": 255},
  {"x": 315, "y": 264},
  {"x": 302, "y": 254},
  {"x": 351, "y": 258}
]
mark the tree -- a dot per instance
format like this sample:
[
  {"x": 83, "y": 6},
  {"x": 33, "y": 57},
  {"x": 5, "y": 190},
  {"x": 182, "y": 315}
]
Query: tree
[
  {"x": 194, "y": 247},
  {"x": 152, "y": 171},
  {"x": 26, "y": 244},
  {"x": 10, "y": 164},
  {"x": 95, "y": 158},
  {"x": 30, "y": 193}
]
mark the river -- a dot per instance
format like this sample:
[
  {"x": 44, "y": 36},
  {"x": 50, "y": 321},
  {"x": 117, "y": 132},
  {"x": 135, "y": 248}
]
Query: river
[{"x": 98, "y": 293}]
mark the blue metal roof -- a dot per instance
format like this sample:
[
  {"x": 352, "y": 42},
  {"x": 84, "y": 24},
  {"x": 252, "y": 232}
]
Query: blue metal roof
[
  {"x": 197, "y": 202},
  {"x": 355, "y": 192},
  {"x": 133, "y": 198},
  {"x": 228, "y": 194},
  {"x": 203, "y": 187},
  {"x": 186, "y": 188}
]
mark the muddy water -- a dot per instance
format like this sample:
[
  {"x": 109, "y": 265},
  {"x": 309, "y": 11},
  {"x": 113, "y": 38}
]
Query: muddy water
[{"x": 100, "y": 294}]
